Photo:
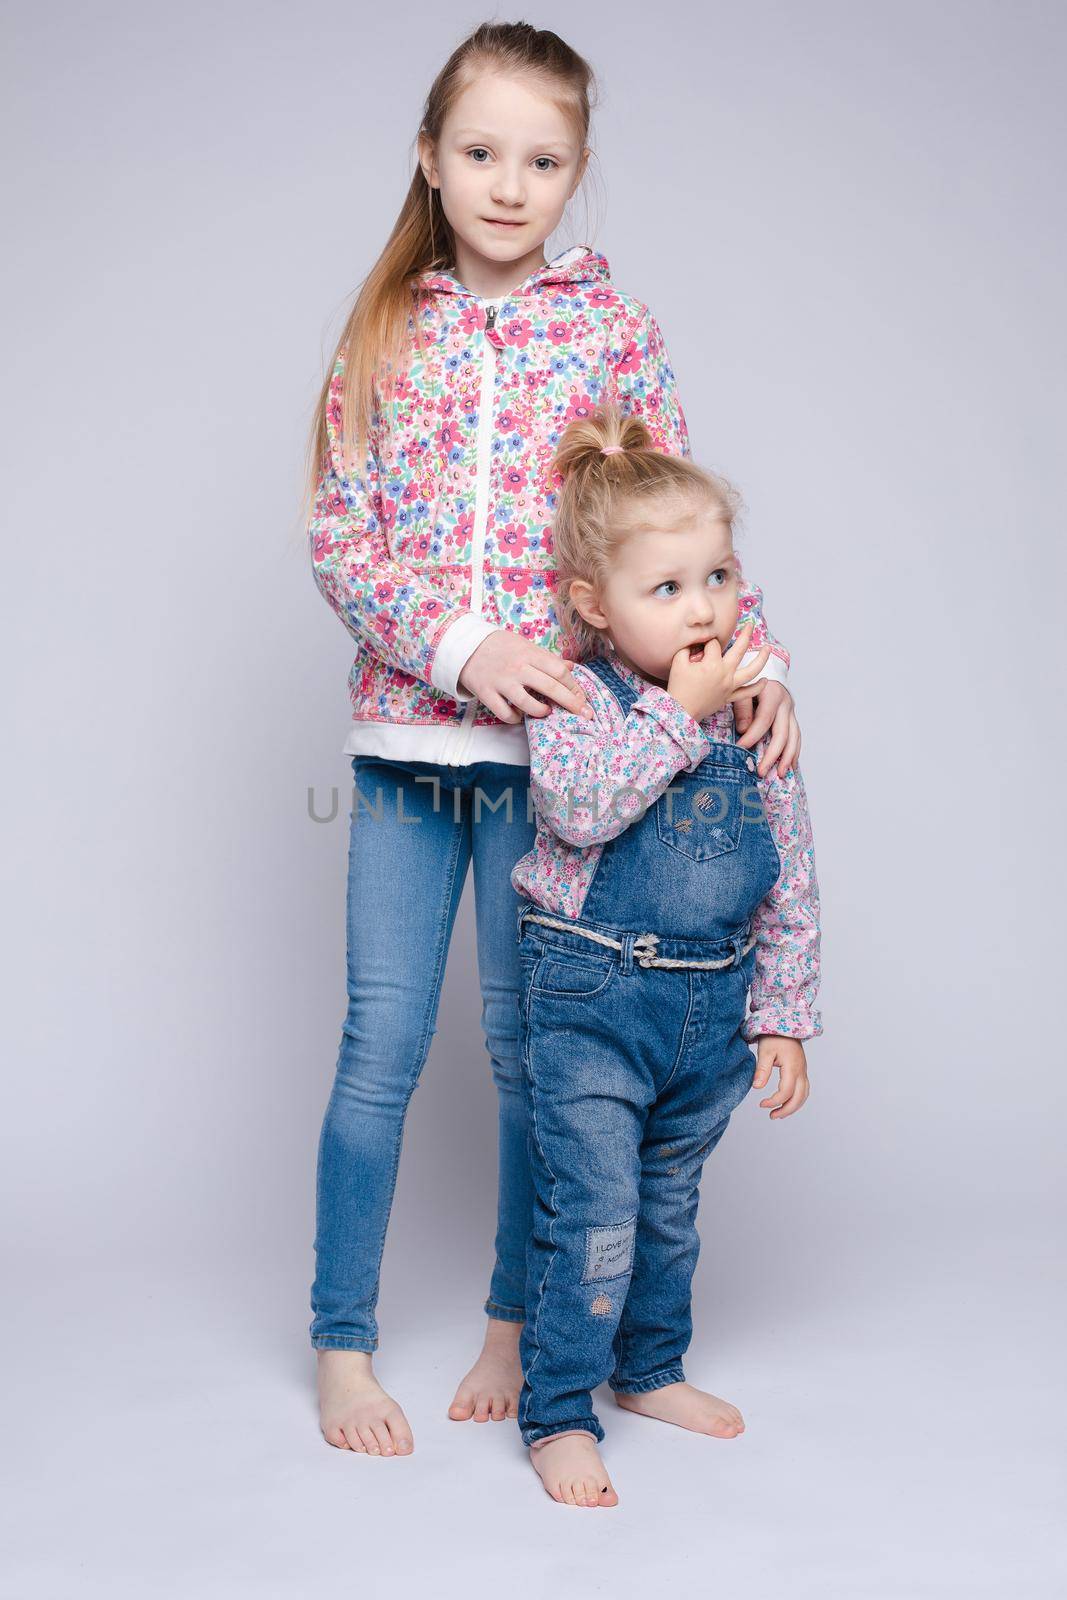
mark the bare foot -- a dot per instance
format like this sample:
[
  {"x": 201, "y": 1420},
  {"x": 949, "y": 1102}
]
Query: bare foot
[
  {"x": 572, "y": 1472},
  {"x": 491, "y": 1388},
  {"x": 689, "y": 1408},
  {"x": 355, "y": 1413}
]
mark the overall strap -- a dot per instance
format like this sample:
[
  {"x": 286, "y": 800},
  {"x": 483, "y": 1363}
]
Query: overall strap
[{"x": 624, "y": 692}]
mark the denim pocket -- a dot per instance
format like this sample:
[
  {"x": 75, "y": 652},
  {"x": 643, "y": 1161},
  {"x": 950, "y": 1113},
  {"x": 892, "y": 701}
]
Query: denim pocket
[
  {"x": 707, "y": 814},
  {"x": 580, "y": 978}
]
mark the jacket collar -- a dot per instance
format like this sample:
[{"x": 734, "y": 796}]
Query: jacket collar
[{"x": 579, "y": 265}]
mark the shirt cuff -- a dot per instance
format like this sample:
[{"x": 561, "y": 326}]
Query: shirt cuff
[
  {"x": 458, "y": 643},
  {"x": 676, "y": 722},
  {"x": 791, "y": 1022}
]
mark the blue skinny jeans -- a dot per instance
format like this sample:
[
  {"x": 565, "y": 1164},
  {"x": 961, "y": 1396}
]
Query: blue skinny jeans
[{"x": 415, "y": 828}]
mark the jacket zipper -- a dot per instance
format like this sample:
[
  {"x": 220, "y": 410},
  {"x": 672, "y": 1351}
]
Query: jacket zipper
[{"x": 465, "y": 732}]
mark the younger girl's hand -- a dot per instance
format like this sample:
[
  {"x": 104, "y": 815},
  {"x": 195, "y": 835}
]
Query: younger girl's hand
[
  {"x": 788, "y": 1056},
  {"x": 774, "y": 711},
  {"x": 504, "y": 670},
  {"x": 704, "y": 681}
]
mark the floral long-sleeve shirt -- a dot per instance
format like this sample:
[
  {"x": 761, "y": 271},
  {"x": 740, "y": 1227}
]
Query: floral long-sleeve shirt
[{"x": 578, "y": 765}]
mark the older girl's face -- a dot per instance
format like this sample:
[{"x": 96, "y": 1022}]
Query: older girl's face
[
  {"x": 506, "y": 164},
  {"x": 667, "y": 591}
]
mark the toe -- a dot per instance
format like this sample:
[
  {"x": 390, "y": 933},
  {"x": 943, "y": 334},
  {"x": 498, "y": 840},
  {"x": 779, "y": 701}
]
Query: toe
[
  {"x": 567, "y": 1492},
  {"x": 383, "y": 1438},
  {"x": 401, "y": 1432},
  {"x": 370, "y": 1443},
  {"x": 481, "y": 1409},
  {"x": 354, "y": 1441},
  {"x": 512, "y": 1407},
  {"x": 498, "y": 1408},
  {"x": 336, "y": 1436},
  {"x": 462, "y": 1407}
]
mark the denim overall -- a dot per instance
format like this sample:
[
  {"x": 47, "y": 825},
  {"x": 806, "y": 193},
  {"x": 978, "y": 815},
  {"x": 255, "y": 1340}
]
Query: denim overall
[{"x": 633, "y": 1061}]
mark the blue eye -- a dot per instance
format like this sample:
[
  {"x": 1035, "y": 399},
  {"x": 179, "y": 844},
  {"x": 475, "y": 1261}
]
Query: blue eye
[
  {"x": 550, "y": 161},
  {"x": 479, "y": 150},
  {"x": 716, "y": 578}
]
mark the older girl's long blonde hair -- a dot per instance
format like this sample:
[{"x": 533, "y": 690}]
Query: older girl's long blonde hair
[
  {"x": 374, "y": 338},
  {"x": 614, "y": 482}
]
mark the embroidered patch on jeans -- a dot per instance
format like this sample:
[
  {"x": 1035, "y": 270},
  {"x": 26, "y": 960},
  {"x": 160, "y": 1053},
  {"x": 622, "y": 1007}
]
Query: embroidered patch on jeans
[{"x": 609, "y": 1252}]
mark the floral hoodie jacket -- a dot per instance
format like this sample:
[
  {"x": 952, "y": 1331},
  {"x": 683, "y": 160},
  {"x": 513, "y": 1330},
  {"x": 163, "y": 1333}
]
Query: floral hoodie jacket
[{"x": 446, "y": 533}]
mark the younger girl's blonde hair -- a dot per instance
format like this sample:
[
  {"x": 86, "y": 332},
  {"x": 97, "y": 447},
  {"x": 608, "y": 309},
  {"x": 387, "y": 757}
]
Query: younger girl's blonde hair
[{"x": 614, "y": 483}]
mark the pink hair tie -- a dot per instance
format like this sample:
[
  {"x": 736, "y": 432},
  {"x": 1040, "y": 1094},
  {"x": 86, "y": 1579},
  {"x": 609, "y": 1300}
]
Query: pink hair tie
[{"x": 612, "y": 450}]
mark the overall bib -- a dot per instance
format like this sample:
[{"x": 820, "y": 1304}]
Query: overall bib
[{"x": 633, "y": 1061}]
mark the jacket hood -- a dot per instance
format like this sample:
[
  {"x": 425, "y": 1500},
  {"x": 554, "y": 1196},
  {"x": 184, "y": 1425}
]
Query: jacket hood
[{"x": 574, "y": 267}]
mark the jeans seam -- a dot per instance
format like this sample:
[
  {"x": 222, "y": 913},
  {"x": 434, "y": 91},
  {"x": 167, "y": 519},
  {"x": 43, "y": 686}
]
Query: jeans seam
[
  {"x": 675, "y": 1373},
  {"x": 343, "y": 1341},
  {"x": 501, "y": 1313},
  {"x": 510, "y": 1275},
  {"x": 551, "y": 1235},
  {"x": 681, "y": 1038},
  {"x": 588, "y": 1425},
  {"x": 622, "y": 1334}
]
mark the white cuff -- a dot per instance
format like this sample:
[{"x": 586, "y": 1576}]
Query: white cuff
[
  {"x": 774, "y": 667},
  {"x": 458, "y": 643}
]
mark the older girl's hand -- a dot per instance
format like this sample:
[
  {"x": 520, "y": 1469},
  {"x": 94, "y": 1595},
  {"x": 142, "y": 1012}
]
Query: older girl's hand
[
  {"x": 507, "y": 673},
  {"x": 774, "y": 711}
]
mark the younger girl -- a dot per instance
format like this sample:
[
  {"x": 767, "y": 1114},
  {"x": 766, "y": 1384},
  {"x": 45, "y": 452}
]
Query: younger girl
[
  {"x": 669, "y": 885},
  {"x": 466, "y": 354}
]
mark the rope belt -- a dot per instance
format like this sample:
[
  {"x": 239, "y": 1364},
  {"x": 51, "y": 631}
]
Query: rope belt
[{"x": 644, "y": 945}]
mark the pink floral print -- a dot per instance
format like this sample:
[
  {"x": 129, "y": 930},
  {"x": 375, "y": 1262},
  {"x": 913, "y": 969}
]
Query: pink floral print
[{"x": 393, "y": 547}]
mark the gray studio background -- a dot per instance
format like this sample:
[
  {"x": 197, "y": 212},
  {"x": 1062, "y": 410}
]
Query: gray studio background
[{"x": 847, "y": 219}]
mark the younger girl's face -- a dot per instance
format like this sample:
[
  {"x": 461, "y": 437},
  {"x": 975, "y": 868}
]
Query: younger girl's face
[
  {"x": 506, "y": 164},
  {"x": 666, "y": 592}
]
